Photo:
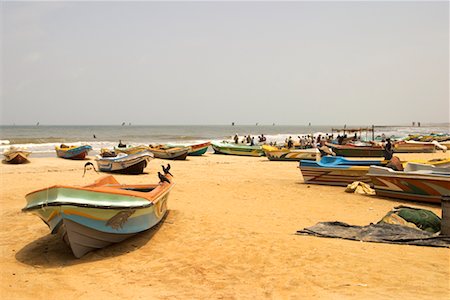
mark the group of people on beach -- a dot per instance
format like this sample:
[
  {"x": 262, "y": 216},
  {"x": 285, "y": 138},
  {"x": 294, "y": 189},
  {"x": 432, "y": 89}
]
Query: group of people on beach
[
  {"x": 310, "y": 141},
  {"x": 249, "y": 139}
]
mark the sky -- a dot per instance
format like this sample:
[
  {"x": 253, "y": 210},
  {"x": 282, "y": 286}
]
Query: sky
[{"x": 150, "y": 63}]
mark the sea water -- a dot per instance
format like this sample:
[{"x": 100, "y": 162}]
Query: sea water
[{"x": 43, "y": 139}]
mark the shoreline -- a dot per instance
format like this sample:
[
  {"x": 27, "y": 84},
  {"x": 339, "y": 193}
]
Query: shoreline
[{"x": 229, "y": 233}]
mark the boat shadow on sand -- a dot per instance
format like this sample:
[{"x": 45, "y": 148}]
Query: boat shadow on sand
[{"x": 50, "y": 251}]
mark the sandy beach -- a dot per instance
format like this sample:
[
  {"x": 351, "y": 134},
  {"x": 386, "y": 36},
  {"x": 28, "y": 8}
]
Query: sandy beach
[{"x": 229, "y": 234}]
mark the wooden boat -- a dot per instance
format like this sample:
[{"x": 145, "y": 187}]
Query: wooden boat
[
  {"x": 124, "y": 163},
  {"x": 129, "y": 149},
  {"x": 440, "y": 137},
  {"x": 418, "y": 182},
  {"x": 16, "y": 155},
  {"x": 416, "y": 147},
  {"x": 237, "y": 149},
  {"x": 285, "y": 154},
  {"x": 72, "y": 152},
  {"x": 336, "y": 170},
  {"x": 352, "y": 150},
  {"x": 97, "y": 215},
  {"x": 195, "y": 149},
  {"x": 171, "y": 153}
]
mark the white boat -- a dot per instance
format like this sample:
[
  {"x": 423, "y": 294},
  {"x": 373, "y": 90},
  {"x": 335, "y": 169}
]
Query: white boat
[{"x": 124, "y": 163}]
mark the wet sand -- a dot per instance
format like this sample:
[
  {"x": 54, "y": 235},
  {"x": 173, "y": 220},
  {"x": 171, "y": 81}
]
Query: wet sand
[{"x": 229, "y": 234}]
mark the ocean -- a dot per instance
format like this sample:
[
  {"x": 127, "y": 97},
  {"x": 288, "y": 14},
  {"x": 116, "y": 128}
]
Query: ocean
[{"x": 43, "y": 139}]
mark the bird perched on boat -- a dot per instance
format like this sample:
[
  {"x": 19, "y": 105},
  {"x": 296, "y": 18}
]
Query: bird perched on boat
[
  {"x": 163, "y": 178},
  {"x": 166, "y": 169}
]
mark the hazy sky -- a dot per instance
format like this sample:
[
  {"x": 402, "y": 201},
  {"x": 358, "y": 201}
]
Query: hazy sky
[{"x": 218, "y": 62}]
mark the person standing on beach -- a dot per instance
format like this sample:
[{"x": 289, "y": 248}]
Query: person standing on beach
[
  {"x": 290, "y": 143},
  {"x": 236, "y": 139},
  {"x": 388, "y": 151}
]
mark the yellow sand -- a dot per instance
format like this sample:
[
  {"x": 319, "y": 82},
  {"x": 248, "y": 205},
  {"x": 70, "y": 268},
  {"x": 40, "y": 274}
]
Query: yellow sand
[{"x": 229, "y": 234}]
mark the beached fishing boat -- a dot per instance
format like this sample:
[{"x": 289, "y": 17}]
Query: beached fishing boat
[
  {"x": 355, "y": 150},
  {"x": 97, "y": 215},
  {"x": 417, "y": 147},
  {"x": 169, "y": 153},
  {"x": 124, "y": 163},
  {"x": 129, "y": 149},
  {"x": 16, "y": 155},
  {"x": 72, "y": 152},
  {"x": 195, "y": 149},
  {"x": 237, "y": 149},
  {"x": 285, "y": 154},
  {"x": 418, "y": 182},
  {"x": 336, "y": 170}
]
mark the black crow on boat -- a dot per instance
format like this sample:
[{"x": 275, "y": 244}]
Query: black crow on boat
[
  {"x": 163, "y": 178},
  {"x": 166, "y": 169}
]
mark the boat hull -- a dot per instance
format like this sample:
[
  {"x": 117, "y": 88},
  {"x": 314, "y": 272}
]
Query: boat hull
[
  {"x": 198, "y": 152},
  {"x": 333, "y": 176},
  {"x": 131, "y": 150},
  {"x": 128, "y": 164},
  {"x": 231, "y": 149},
  {"x": 82, "y": 239},
  {"x": 96, "y": 215},
  {"x": 173, "y": 153},
  {"x": 275, "y": 154},
  {"x": 414, "y": 147},
  {"x": 135, "y": 168},
  {"x": 195, "y": 149},
  {"x": 17, "y": 157},
  {"x": 85, "y": 227},
  {"x": 413, "y": 187},
  {"x": 335, "y": 170},
  {"x": 73, "y": 152},
  {"x": 356, "y": 151}
]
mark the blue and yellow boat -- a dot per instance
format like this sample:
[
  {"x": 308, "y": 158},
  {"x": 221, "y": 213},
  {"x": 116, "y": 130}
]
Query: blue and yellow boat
[
  {"x": 72, "y": 152},
  {"x": 337, "y": 170},
  {"x": 105, "y": 212}
]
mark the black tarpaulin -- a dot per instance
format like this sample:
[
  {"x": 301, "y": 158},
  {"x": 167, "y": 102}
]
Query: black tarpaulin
[{"x": 379, "y": 233}]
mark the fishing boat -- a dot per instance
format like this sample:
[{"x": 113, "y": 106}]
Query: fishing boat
[
  {"x": 417, "y": 182},
  {"x": 195, "y": 149},
  {"x": 417, "y": 147},
  {"x": 237, "y": 149},
  {"x": 159, "y": 151},
  {"x": 357, "y": 150},
  {"x": 105, "y": 212},
  {"x": 124, "y": 163},
  {"x": 336, "y": 170},
  {"x": 129, "y": 149},
  {"x": 285, "y": 154},
  {"x": 72, "y": 152},
  {"x": 16, "y": 155}
]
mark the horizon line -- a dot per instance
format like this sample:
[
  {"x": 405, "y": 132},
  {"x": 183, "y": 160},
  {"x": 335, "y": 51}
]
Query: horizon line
[{"x": 426, "y": 124}]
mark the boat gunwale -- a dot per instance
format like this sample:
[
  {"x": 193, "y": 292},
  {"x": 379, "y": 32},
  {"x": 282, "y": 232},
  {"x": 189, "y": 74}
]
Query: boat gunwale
[
  {"x": 130, "y": 193},
  {"x": 117, "y": 188}
]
